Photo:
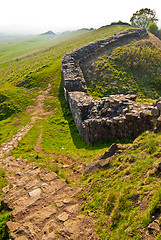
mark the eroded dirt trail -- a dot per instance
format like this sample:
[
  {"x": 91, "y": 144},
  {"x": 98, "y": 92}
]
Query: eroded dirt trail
[{"x": 44, "y": 206}]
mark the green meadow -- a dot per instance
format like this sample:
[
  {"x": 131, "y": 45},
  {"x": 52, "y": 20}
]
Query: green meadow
[{"x": 109, "y": 195}]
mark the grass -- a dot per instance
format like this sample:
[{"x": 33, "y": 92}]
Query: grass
[
  {"x": 4, "y": 214},
  {"x": 109, "y": 195},
  {"x": 115, "y": 196},
  {"x": 12, "y": 101},
  {"x": 133, "y": 68}
]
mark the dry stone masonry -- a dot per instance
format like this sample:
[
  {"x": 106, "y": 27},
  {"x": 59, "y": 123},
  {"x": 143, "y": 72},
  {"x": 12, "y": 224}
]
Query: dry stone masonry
[{"x": 113, "y": 117}]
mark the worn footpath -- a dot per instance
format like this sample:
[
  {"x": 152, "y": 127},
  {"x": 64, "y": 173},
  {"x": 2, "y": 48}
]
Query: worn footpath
[{"x": 43, "y": 206}]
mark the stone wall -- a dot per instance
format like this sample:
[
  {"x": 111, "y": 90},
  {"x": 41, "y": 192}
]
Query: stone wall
[{"x": 113, "y": 117}]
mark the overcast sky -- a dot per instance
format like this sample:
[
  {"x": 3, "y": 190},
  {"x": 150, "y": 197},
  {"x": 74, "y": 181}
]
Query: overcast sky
[{"x": 38, "y": 16}]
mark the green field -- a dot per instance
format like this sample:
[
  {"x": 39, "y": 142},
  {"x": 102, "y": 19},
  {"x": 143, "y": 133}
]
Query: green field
[{"x": 109, "y": 193}]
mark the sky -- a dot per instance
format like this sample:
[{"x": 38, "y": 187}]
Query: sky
[{"x": 39, "y": 16}]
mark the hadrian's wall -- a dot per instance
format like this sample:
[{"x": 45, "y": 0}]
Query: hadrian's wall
[{"x": 113, "y": 117}]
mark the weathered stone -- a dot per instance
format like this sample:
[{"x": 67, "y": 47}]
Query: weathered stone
[
  {"x": 73, "y": 208},
  {"x": 90, "y": 168},
  {"x": 63, "y": 217},
  {"x": 158, "y": 125},
  {"x": 104, "y": 163},
  {"x": 155, "y": 225},
  {"x": 50, "y": 176},
  {"x": 111, "y": 151},
  {"x": 35, "y": 193},
  {"x": 159, "y": 105},
  {"x": 77, "y": 228},
  {"x": 155, "y": 112},
  {"x": 12, "y": 226},
  {"x": 67, "y": 200}
]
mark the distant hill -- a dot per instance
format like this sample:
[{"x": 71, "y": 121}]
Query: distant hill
[{"x": 49, "y": 33}]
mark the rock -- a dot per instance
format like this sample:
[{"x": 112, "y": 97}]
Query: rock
[
  {"x": 73, "y": 208},
  {"x": 158, "y": 125},
  {"x": 67, "y": 200},
  {"x": 50, "y": 176},
  {"x": 63, "y": 217},
  {"x": 155, "y": 225},
  {"x": 111, "y": 151},
  {"x": 104, "y": 163},
  {"x": 35, "y": 193},
  {"x": 90, "y": 168},
  {"x": 77, "y": 228},
  {"x": 51, "y": 236},
  {"x": 95, "y": 166},
  {"x": 12, "y": 226},
  {"x": 21, "y": 238},
  {"x": 155, "y": 112},
  {"x": 159, "y": 105}
]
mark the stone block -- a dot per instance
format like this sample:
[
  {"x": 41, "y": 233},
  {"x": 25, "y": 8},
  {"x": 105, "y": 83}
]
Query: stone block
[
  {"x": 159, "y": 105},
  {"x": 155, "y": 112}
]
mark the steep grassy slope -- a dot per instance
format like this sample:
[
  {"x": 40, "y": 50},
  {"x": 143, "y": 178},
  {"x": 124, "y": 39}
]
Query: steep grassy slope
[
  {"x": 133, "y": 68},
  {"x": 116, "y": 196}
]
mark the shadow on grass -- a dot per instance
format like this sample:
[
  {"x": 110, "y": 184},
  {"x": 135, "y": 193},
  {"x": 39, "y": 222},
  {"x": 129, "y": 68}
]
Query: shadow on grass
[{"x": 77, "y": 139}]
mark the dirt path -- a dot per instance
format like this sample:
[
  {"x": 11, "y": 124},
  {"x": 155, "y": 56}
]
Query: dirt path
[{"x": 44, "y": 206}]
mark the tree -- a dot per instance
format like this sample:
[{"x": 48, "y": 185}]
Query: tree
[
  {"x": 153, "y": 28},
  {"x": 143, "y": 17}
]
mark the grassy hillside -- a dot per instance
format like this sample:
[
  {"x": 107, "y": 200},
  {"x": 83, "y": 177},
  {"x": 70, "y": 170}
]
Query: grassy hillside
[
  {"x": 12, "y": 47},
  {"x": 109, "y": 195},
  {"x": 133, "y": 68},
  {"x": 126, "y": 197}
]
